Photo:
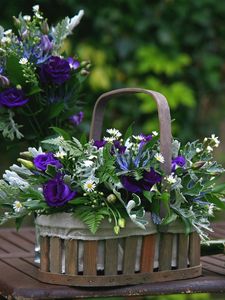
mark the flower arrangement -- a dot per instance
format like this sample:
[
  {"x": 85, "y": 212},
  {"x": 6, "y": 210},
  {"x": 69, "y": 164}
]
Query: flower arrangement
[
  {"x": 39, "y": 86},
  {"x": 117, "y": 178}
]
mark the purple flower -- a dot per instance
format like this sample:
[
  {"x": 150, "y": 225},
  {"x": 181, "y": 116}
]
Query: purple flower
[
  {"x": 179, "y": 161},
  {"x": 150, "y": 178},
  {"x": 46, "y": 44},
  {"x": 57, "y": 192},
  {"x": 77, "y": 118},
  {"x": 99, "y": 144},
  {"x": 145, "y": 139},
  {"x": 146, "y": 183},
  {"x": 74, "y": 64},
  {"x": 13, "y": 97},
  {"x": 117, "y": 145},
  {"x": 55, "y": 70},
  {"x": 42, "y": 161},
  {"x": 130, "y": 184}
]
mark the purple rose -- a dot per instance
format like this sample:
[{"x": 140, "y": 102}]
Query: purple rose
[
  {"x": 74, "y": 64},
  {"x": 77, "y": 118},
  {"x": 55, "y": 70},
  {"x": 13, "y": 97},
  {"x": 57, "y": 192},
  {"x": 120, "y": 148},
  {"x": 46, "y": 44},
  {"x": 146, "y": 183},
  {"x": 179, "y": 161},
  {"x": 99, "y": 144},
  {"x": 145, "y": 139},
  {"x": 42, "y": 161}
]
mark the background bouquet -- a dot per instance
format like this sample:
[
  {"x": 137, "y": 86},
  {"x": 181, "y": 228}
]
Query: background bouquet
[
  {"x": 116, "y": 178},
  {"x": 39, "y": 86}
]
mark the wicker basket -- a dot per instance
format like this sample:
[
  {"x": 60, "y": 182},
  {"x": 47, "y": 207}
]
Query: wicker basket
[{"x": 162, "y": 255}]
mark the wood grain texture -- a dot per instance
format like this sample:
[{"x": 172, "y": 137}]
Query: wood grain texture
[
  {"x": 130, "y": 252},
  {"x": 148, "y": 253},
  {"x": 111, "y": 257},
  {"x": 90, "y": 257},
  {"x": 194, "y": 249},
  {"x": 165, "y": 251},
  {"x": 182, "y": 251},
  {"x": 55, "y": 255},
  {"x": 44, "y": 252},
  {"x": 71, "y": 257}
]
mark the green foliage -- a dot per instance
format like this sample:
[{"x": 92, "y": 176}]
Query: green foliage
[{"x": 9, "y": 128}]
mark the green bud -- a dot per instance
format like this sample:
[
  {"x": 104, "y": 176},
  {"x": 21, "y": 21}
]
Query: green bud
[
  {"x": 198, "y": 164},
  {"x": 26, "y": 163},
  {"x": 16, "y": 22},
  {"x": 84, "y": 72},
  {"x": 116, "y": 229},
  {"x": 45, "y": 27},
  {"x": 121, "y": 222},
  {"x": 111, "y": 198}
]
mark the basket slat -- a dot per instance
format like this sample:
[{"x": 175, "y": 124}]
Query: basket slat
[
  {"x": 165, "y": 251},
  {"x": 44, "y": 250},
  {"x": 182, "y": 251},
  {"x": 148, "y": 251},
  {"x": 55, "y": 255},
  {"x": 71, "y": 257},
  {"x": 130, "y": 251},
  {"x": 194, "y": 249},
  {"x": 90, "y": 255},
  {"x": 111, "y": 257}
]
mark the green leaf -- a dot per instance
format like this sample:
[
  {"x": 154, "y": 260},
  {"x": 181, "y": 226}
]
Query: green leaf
[
  {"x": 51, "y": 170},
  {"x": 169, "y": 219},
  {"x": 78, "y": 201},
  {"x": 34, "y": 90},
  {"x": 129, "y": 132},
  {"x": 219, "y": 189},
  {"x": 14, "y": 70},
  {"x": 61, "y": 132},
  {"x": 55, "y": 110},
  {"x": 148, "y": 195},
  {"x": 212, "y": 198}
]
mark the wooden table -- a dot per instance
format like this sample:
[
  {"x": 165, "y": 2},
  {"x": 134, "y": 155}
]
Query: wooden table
[{"x": 18, "y": 274}]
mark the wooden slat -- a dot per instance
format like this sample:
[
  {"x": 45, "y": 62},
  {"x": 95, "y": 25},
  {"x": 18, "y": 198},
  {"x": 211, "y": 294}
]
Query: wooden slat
[
  {"x": 10, "y": 247},
  {"x": 148, "y": 253},
  {"x": 111, "y": 257},
  {"x": 182, "y": 251},
  {"x": 44, "y": 250},
  {"x": 165, "y": 251},
  {"x": 18, "y": 241},
  {"x": 71, "y": 259},
  {"x": 55, "y": 255},
  {"x": 90, "y": 257},
  {"x": 194, "y": 249},
  {"x": 130, "y": 252}
]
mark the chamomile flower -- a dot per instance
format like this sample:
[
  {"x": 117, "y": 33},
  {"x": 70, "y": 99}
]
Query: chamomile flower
[
  {"x": 159, "y": 157},
  {"x": 17, "y": 206},
  {"x": 114, "y": 132},
  {"x": 110, "y": 139},
  {"x": 89, "y": 185},
  {"x": 171, "y": 179},
  {"x": 23, "y": 61},
  {"x": 155, "y": 133},
  {"x": 61, "y": 153}
]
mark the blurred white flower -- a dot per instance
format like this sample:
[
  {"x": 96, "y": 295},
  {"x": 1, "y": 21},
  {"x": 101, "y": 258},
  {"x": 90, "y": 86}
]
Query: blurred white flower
[
  {"x": 23, "y": 61},
  {"x": 155, "y": 133},
  {"x": 75, "y": 20},
  {"x": 17, "y": 206},
  {"x": 114, "y": 132},
  {"x": 27, "y": 18},
  {"x": 159, "y": 157},
  {"x": 209, "y": 149},
  {"x": 89, "y": 185}
]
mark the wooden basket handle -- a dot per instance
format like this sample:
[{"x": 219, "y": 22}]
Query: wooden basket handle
[{"x": 163, "y": 115}]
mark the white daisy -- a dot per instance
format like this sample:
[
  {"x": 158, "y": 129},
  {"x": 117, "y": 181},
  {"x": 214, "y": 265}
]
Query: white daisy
[
  {"x": 89, "y": 185},
  {"x": 215, "y": 140},
  {"x": 155, "y": 133},
  {"x": 138, "y": 137},
  {"x": 61, "y": 153},
  {"x": 17, "y": 206},
  {"x": 159, "y": 157},
  {"x": 171, "y": 179},
  {"x": 110, "y": 139},
  {"x": 23, "y": 61}
]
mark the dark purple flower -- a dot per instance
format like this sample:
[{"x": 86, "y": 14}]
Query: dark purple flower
[
  {"x": 117, "y": 145},
  {"x": 130, "y": 184},
  {"x": 46, "y": 44},
  {"x": 13, "y": 97},
  {"x": 57, "y": 192},
  {"x": 74, "y": 64},
  {"x": 77, "y": 118},
  {"x": 55, "y": 70},
  {"x": 99, "y": 144},
  {"x": 146, "y": 183},
  {"x": 145, "y": 139},
  {"x": 42, "y": 161},
  {"x": 149, "y": 179},
  {"x": 179, "y": 161}
]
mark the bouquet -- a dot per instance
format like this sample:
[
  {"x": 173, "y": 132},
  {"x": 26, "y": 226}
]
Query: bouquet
[
  {"x": 39, "y": 86},
  {"x": 117, "y": 178}
]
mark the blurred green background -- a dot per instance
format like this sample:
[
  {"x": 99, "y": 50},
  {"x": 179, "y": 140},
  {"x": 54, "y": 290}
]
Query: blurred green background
[{"x": 175, "y": 47}]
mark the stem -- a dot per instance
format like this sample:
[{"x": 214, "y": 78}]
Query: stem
[{"x": 39, "y": 130}]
